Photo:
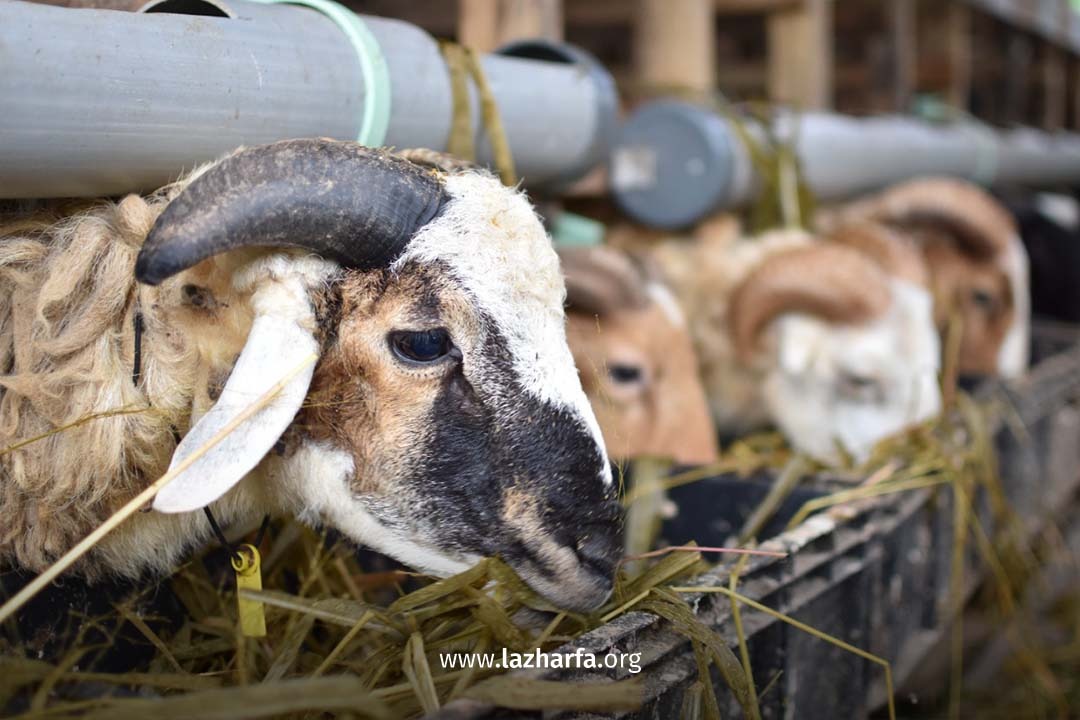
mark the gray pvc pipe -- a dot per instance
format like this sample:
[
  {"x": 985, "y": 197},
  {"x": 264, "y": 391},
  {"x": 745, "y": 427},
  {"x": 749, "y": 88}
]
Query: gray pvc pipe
[
  {"x": 100, "y": 102},
  {"x": 676, "y": 163}
]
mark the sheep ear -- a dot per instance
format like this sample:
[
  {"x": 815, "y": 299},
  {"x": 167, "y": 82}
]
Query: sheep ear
[{"x": 274, "y": 347}]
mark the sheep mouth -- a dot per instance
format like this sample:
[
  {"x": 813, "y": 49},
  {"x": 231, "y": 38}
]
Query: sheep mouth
[
  {"x": 584, "y": 590},
  {"x": 579, "y": 578}
]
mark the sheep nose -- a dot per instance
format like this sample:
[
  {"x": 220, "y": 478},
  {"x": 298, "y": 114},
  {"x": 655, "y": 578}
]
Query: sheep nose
[
  {"x": 598, "y": 548},
  {"x": 574, "y": 566}
]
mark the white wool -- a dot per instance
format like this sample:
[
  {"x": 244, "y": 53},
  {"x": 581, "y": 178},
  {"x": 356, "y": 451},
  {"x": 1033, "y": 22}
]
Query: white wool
[{"x": 498, "y": 250}]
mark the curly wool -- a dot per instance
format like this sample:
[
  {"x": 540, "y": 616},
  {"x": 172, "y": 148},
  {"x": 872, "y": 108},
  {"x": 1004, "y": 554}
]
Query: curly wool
[{"x": 77, "y": 436}]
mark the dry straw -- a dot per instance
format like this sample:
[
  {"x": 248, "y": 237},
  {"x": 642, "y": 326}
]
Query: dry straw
[{"x": 356, "y": 643}]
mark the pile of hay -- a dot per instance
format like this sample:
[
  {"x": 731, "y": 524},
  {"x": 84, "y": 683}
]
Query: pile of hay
[
  {"x": 368, "y": 641},
  {"x": 339, "y": 640}
]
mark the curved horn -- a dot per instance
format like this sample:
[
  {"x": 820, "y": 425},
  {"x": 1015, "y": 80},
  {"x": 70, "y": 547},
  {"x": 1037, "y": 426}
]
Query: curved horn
[
  {"x": 980, "y": 225},
  {"x": 346, "y": 202},
  {"x": 601, "y": 280},
  {"x": 835, "y": 283},
  {"x": 892, "y": 252}
]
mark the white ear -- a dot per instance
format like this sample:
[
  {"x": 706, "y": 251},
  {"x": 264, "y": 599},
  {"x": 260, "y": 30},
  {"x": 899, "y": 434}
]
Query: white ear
[{"x": 275, "y": 346}]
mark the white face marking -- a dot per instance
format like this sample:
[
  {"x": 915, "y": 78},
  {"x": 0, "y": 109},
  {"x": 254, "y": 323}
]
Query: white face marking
[
  {"x": 316, "y": 478},
  {"x": 899, "y": 352},
  {"x": 497, "y": 248}
]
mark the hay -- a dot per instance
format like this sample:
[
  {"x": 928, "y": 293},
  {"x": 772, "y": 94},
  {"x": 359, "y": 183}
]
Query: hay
[
  {"x": 344, "y": 640},
  {"x": 326, "y": 651}
]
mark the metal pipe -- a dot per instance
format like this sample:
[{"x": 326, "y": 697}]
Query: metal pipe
[
  {"x": 100, "y": 102},
  {"x": 675, "y": 163}
]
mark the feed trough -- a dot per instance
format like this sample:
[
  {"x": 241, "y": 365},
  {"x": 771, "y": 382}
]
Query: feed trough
[{"x": 875, "y": 573}]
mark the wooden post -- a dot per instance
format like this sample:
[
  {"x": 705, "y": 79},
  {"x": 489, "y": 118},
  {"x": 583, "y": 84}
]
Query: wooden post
[
  {"x": 903, "y": 43},
  {"x": 674, "y": 41},
  {"x": 1054, "y": 88},
  {"x": 486, "y": 24},
  {"x": 960, "y": 39},
  {"x": 1018, "y": 51},
  {"x": 1074, "y": 93},
  {"x": 800, "y": 55}
]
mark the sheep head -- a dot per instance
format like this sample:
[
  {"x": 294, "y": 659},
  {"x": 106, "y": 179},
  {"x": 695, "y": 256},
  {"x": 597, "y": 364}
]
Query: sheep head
[
  {"x": 636, "y": 359},
  {"x": 856, "y": 353},
  {"x": 444, "y": 420},
  {"x": 977, "y": 262}
]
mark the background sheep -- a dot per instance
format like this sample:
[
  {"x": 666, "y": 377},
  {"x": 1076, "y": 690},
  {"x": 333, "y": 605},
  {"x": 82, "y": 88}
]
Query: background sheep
[
  {"x": 703, "y": 271},
  {"x": 852, "y": 355},
  {"x": 444, "y": 420},
  {"x": 978, "y": 266},
  {"x": 633, "y": 350}
]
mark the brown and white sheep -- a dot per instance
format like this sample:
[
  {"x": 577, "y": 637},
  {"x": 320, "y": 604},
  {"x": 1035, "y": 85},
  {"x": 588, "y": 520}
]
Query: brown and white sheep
[
  {"x": 443, "y": 421},
  {"x": 977, "y": 263},
  {"x": 633, "y": 351},
  {"x": 814, "y": 337}
]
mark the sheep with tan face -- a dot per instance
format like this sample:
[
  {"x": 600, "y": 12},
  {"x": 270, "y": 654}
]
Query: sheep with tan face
[
  {"x": 443, "y": 421},
  {"x": 633, "y": 349}
]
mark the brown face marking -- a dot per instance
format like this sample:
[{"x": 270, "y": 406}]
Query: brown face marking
[
  {"x": 979, "y": 292},
  {"x": 363, "y": 397},
  {"x": 436, "y": 445}
]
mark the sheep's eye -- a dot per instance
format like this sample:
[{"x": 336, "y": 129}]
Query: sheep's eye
[
  {"x": 423, "y": 346},
  {"x": 860, "y": 388},
  {"x": 624, "y": 374},
  {"x": 983, "y": 300}
]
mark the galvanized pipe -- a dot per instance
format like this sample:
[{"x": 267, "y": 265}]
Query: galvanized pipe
[
  {"x": 675, "y": 163},
  {"x": 100, "y": 102}
]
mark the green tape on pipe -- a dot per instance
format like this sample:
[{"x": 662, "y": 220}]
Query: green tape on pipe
[
  {"x": 571, "y": 230},
  {"x": 376, "y": 116}
]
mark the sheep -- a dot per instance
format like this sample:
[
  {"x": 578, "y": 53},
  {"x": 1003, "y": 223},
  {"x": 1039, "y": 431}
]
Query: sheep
[
  {"x": 637, "y": 364},
  {"x": 815, "y": 337},
  {"x": 444, "y": 419},
  {"x": 978, "y": 265}
]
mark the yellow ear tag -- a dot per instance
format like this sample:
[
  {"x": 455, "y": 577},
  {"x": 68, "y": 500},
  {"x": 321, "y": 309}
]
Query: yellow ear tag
[{"x": 246, "y": 563}]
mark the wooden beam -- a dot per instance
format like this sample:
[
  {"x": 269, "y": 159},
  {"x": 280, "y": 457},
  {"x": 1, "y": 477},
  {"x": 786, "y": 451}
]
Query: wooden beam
[
  {"x": 751, "y": 7},
  {"x": 674, "y": 44},
  {"x": 1054, "y": 87},
  {"x": 589, "y": 13},
  {"x": 1019, "y": 54},
  {"x": 1074, "y": 94},
  {"x": 903, "y": 46},
  {"x": 960, "y": 42},
  {"x": 487, "y": 24},
  {"x": 800, "y": 51}
]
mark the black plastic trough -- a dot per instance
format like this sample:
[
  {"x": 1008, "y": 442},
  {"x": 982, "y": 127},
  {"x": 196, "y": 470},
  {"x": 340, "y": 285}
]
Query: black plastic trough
[{"x": 875, "y": 574}]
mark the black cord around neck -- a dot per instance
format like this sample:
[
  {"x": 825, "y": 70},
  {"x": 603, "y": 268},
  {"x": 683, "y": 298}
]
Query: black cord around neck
[{"x": 225, "y": 544}]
